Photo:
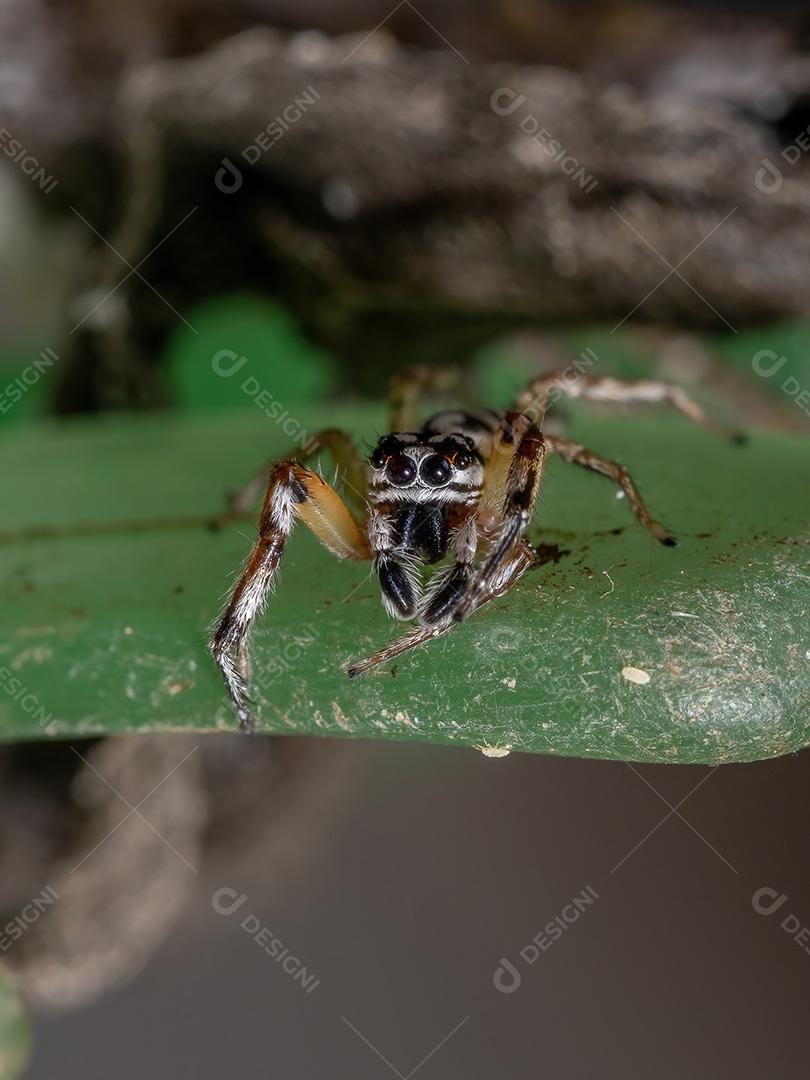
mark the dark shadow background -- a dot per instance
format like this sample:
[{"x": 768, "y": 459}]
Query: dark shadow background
[{"x": 427, "y": 867}]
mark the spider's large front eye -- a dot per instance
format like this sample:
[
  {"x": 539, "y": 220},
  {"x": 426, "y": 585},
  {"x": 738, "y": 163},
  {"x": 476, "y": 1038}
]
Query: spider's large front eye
[
  {"x": 436, "y": 470},
  {"x": 400, "y": 470}
]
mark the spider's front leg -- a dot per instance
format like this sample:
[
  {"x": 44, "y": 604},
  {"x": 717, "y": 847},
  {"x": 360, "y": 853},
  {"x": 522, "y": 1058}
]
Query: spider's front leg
[
  {"x": 294, "y": 493},
  {"x": 513, "y": 567},
  {"x": 511, "y": 485}
]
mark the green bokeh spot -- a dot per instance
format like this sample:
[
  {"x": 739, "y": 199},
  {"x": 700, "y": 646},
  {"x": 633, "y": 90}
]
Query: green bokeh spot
[
  {"x": 256, "y": 339},
  {"x": 776, "y": 356}
]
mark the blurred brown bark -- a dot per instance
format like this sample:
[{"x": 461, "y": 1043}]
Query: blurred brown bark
[{"x": 412, "y": 203}]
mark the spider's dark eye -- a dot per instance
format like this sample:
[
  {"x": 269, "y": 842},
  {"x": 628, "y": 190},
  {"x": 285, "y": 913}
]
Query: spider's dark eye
[
  {"x": 462, "y": 461},
  {"x": 400, "y": 470},
  {"x": 436, "y": 470},
  {"x": 377, "y": 459}
]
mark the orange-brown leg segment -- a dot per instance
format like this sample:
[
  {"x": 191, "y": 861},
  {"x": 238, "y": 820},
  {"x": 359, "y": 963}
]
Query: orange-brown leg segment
[
  {"x": 295, "y": 493},
  {"x": 351, "y": 468}
]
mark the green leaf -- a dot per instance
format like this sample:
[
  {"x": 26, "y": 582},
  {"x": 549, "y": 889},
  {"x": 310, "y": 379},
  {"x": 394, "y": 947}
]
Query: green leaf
[
  {"x": 111, "y": 584},
  {"x": 15, "y": 1033}
]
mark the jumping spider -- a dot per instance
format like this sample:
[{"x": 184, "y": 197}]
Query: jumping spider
[{"x": 463, "y": 483}]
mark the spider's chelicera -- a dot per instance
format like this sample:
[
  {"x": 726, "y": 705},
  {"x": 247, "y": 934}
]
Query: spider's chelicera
[{"x": 462, "y": 485}]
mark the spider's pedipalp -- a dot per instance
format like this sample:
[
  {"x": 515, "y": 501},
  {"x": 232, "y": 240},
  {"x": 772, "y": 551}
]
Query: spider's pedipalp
[
  {"x": 448, "y": 585},
  {"x": 399, "y": 585},
  {"x": 521, "y": 558},
  {"x": 447, "y": 588},
  {"x": 395, "y": 563}
]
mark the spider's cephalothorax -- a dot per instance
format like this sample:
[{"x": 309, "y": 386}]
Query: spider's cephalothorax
[
  {"x": 440, "y": 468},
  {"x": 421, "y": 487},
  {"x": 462, "y": 486}
]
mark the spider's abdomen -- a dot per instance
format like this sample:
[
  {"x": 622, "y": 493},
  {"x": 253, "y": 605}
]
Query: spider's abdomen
[{"x": 479, "y": 427}]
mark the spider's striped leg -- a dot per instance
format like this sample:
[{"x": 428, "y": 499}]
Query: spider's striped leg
[
  {"x": 579, "y": 455},
  {"x": 294, "y": 493},
  {"x": 521, "y": 558},
  {"x": 511, "y": 482},
  {"x": 408, "y": 386},
  {"x": 544, "y": 390},
  {"x": 350, "y": 465}
]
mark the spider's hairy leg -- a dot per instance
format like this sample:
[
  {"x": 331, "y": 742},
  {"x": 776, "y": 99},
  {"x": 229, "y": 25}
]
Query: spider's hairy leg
[
  {"x": 542, "y": 391},
  {"x": 294, "y": 493},
  {"x": 344, "y": 451},
  {"x": 396, "y": 569},
  {"x": 512, "y": 479},
  {"x": 511, "y": 570},
  {"x": 580, "y": 455},
  {"x": 408, "y": 386}
]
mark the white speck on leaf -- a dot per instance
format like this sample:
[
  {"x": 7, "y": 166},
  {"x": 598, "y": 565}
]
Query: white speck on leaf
[
  {"x": 494, "y": 751},
  {"x": 636, "y": 675}
]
